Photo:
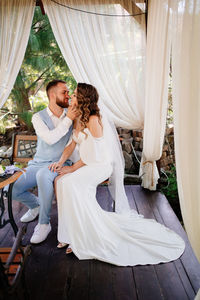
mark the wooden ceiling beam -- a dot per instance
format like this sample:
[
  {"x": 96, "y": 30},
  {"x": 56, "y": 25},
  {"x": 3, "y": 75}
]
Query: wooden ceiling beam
[
  {"x": 39, "y": 3},
  {"x": 134, "y": 9}
]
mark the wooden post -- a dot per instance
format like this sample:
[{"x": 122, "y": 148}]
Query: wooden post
[
  {"x": 146, "y": 15},
  {"x": 39, "y": 3}
]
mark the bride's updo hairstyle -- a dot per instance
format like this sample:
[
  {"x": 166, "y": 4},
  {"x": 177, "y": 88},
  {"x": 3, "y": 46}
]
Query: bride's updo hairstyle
[{"x": 87, "y": 97}]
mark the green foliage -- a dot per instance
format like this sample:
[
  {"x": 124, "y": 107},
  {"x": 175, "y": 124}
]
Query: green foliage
[
  {"x": 26, "y": 117},
  {"x": 5, "y": 122},
  {"x": 39, "y": 102},
  {"x": 43, "y": 59},
  {"x": 170, "y": 118},
  {"x": 20, "y": 165},
  {"x": 171, "y": 191},
  {"x": 2, "y": 169}
]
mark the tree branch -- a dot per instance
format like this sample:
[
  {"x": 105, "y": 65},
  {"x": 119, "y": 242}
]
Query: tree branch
[
  {"x": 41, "y": 28},
  {"x": 40, "y": 77},
  {"x": 38, "y": 21}
]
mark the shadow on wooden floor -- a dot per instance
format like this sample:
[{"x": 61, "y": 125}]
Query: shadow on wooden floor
[{"x": 50, "y": 274}]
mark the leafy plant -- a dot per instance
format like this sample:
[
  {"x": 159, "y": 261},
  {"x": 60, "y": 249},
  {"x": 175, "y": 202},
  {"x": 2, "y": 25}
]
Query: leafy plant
[
  {"x": 26, "y": 118},
  {"x": 171, "y": 191},
  {"x": 5, "y": 122}
]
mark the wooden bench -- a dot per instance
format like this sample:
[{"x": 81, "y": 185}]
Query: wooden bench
[{"x": 23, "y": 148}]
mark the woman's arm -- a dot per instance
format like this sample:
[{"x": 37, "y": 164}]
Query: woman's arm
[
  {"x": 67, "y": 152},
  {"x": 55, "y": 167},
  {"x": 70, "y": 169}
]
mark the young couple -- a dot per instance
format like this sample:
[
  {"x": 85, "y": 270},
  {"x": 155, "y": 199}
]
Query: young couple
[{"x": 123, "y": 238}]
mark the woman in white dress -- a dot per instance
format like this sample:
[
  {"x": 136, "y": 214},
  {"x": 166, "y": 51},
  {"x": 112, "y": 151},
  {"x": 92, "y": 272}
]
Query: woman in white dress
[{"x": 123, "y": 239}]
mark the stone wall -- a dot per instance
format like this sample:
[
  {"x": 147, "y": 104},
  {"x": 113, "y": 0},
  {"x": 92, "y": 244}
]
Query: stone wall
[{"x": 132, "y": 145}]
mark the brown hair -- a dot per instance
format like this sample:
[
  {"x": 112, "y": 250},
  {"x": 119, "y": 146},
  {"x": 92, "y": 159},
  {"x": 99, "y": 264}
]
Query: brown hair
[
  {"x": 53, "y": 83},
  {"x": 87, "y": 97}
]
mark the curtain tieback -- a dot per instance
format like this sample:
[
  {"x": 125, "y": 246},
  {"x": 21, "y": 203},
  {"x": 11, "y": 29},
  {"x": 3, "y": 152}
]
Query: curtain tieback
[{"x": 150, "y": 162}]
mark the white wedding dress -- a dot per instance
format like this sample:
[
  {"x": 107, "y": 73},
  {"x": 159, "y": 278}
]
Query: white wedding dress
[{"x": 121, "y": 239}]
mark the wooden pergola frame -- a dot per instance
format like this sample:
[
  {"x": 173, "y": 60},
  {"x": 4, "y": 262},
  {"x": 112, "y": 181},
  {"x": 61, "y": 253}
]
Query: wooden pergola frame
[{"x": 135, "y": 8}]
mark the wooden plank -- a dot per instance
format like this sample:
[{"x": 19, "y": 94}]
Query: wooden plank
[
  {"x": 188, "y": 259},
  {"x": 167, "y": 273},
  {"x": 58, "y": 276},
  {"x": 145, "y": 276},
  {"x": 147, "y": 283},
  {"x": 29, "y": 232},
  {"x": 178, "y": 263},
  {"x": 103, "y": 198},
  {"x": 12, "y": 269},
  {"x": 124, "y": 286},
  {"x": 170, "y": 285},
  {"x": 10, "y": 180},
  {"x": 7, "y": 234},
  {"x": 6, "y": 250},
  {"x": 4, "y": 257},
  {"x": 45, "y": 268},
  {"x": 101, "y": 281},
  {"x": 60, "y": 264},
  {"x": 131, "y": 199},
  {"x": 36, "y": 270},
  {"x": 78, "y": 280}
]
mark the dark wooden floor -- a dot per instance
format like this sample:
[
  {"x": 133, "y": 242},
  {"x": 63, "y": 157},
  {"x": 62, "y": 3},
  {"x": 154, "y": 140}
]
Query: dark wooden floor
[{"x": 50, "y": 274}]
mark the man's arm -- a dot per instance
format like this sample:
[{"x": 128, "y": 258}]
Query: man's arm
[
  {"x": 56, "y": 167},
  {"x": 52, "y": 136}
]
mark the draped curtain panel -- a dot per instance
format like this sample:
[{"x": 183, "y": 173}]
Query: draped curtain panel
[
  {"x": 156, "y": 89},
  {"x": 186, "y": 101},
  {"x": 106, "y": 51},
  {"x": 15, "y": 24}
]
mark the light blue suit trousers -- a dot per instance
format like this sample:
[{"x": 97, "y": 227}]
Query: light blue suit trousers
[{"x": 36, "y": 175}]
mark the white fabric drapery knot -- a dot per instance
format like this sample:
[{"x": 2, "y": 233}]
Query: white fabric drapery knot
[{"x": 152, "y": 174}]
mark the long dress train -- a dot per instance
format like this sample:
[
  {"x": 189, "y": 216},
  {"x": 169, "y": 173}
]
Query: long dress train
[{"x": 122, "y": 239}]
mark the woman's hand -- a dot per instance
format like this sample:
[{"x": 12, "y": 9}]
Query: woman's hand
[
  {"x": 55, "y": 167},
  {"x": 66, "y": 170}
]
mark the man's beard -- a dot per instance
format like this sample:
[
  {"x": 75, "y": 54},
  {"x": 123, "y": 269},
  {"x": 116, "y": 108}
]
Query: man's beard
[{"x": 62, "y": 103}]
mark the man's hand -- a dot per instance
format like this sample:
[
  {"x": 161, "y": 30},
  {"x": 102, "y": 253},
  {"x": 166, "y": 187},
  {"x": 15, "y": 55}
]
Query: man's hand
[
  {"x": 65, "y": 170},
  {"x": 55, "y": 167},
  {"x": 72, "y": 112}
]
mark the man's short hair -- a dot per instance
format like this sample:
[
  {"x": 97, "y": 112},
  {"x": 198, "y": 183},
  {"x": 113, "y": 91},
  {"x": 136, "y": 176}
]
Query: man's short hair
[{"x": 53, "y": 83}]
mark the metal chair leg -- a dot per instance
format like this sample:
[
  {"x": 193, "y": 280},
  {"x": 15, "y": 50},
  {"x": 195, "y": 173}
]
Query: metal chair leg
[
  {"x": 10, "y": 214},
  {"x": 113, "y": 206}
]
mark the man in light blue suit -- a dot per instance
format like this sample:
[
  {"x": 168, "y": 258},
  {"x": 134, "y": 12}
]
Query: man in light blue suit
[{"x": 53, "y": 127}]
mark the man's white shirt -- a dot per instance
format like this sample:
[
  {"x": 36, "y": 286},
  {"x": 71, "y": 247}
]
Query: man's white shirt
[{"x": 62, "y": 125}]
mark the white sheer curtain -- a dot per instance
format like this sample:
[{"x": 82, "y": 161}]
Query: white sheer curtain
[
  {"x": 186, "y": 97},
  {"x": 15, "y": 24},
  {"x": 156, "y": 89},
  {"x": 106, "y": 51}
]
